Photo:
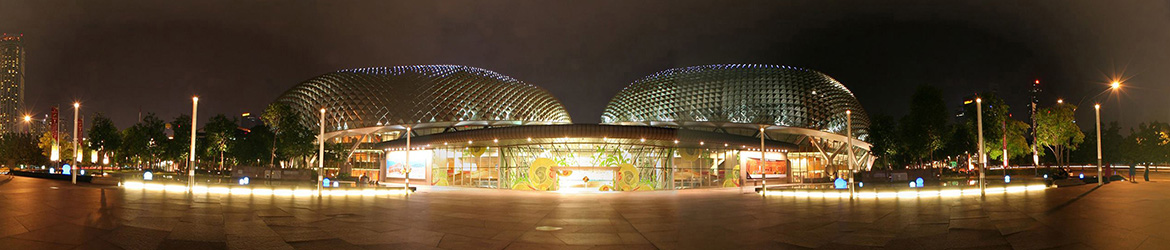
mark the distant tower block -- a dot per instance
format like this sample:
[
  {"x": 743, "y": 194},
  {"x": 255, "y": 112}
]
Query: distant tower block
[{"x": 11, "y": 81}]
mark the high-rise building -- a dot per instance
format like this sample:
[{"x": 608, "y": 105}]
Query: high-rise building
[{"x": 11, "y": 81}]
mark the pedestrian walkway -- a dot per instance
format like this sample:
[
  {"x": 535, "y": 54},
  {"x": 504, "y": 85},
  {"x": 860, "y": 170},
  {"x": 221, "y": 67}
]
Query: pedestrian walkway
[{"x": 47, "y": 214}]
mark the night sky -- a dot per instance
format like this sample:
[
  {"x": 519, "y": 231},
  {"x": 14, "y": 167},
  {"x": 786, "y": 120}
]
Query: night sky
[{"x": 119, "y": 57}]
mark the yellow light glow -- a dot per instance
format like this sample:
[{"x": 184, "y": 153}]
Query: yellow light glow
[
  {"x": 1115, "y": 85},
  {"x": 195, "y": 99},
  {"x": 908, "y": 193}
]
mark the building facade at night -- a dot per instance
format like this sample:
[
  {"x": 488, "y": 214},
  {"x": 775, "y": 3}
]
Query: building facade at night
[
  {"x": 694, "y": 127},
  {"x": 11, "y": 81}
]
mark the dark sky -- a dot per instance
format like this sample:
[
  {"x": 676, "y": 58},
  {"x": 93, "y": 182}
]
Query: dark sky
[{"x": 119, "y": 57}]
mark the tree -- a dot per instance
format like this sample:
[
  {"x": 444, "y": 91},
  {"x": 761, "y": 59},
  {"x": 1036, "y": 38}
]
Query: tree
[
  {"x": 177, "y": 148},
  {"x": 1057, "y": 131},
  {"x": 1017, "y": 144},
  {"x": 64, "y": 148},
  {"x": 883, "y": 135},
  {"x": 960, "y": 142},
  {"x": 995, "y": 114},
  {"x": 20, "y": 148},
  {"x": 220, "y": 132},
  {"x": 1110, "y": 147},
  {"x": 255, "y": 146},
  {"x": 924, "y": 129},
  {"x": 103, "y": 136},
  {"x": 1148, "y": 144},
  {"x": 143, "y": 143},
  {"x": 291, "y": 138}
]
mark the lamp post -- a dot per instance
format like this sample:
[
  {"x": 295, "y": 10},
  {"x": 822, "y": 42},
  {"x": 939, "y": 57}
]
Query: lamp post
[
  {"x": 27, "y": 124},
  {"x": 321, "y": 153},
  {"x": 1097, "y": 110},
  {"x": 406, "y": 165},
  {"x": 191, "y": 164},
  {"x": 849, "y": 136},
  {"x": 763, "y": 172},
  {"x": 982, "y": 156},
  {"x": 1115, "y": 85},
  {"x": 73, "y": 167}
]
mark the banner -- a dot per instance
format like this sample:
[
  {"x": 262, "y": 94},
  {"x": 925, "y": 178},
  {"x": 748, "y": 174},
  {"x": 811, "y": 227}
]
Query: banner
[
  {"x": 80, "y": 131},
  {"x": 53, "y": 123}
]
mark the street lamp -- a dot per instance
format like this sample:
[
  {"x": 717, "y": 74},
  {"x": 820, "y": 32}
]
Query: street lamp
[
  {"x": 763, "y": 172},
  {"x": 191, "y": 166},
  {"x": 73, "y": 168},
  {"x": 1097, "y": 110},
  {"x": 982, "y": 156},
  {"x": 849, "y": 136},
  {"x": 1113, "y": 86},
  {"x": 27, "y": 124},
  {"x": 406, "y": 167},
  {"x": 321, "y": 154}
]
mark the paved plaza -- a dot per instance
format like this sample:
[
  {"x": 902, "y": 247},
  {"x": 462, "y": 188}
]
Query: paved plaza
[{"x": 47, "y": 214}]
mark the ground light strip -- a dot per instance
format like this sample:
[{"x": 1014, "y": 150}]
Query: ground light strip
[
  {"x": 239, "y": 190},
  {"x": 907, "y": 193}
]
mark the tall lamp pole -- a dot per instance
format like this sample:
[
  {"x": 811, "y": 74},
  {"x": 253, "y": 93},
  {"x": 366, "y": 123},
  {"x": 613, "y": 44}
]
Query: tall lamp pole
[
  {"x": 73, "y": 167},
  {"x": 191, "y": 164},
  {"x": 763, "y": 172},
  {"x": 406, "y": 166},
  {"x": 1100, "y": 179},
  {"x": 321, "y": 153},
  {"x": 27, "y": 124},
  {"x": 982, "y": 156},
  {"x": 849, "y": 136}
]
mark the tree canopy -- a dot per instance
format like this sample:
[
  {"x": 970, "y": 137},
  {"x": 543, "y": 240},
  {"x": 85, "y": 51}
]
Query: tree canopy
[{"x": 1057, "y": 131}]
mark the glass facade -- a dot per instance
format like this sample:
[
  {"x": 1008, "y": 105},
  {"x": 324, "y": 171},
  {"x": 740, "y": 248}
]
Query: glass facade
[
  {"x": 586, "y": 163},
  {"x": 578, "y": 167},
  {"x": 692, "y": 127}
]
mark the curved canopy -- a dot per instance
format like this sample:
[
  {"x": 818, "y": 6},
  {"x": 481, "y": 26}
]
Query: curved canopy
[
  {"x": 423, "y": 94},
  {"x": 766, "y": 95}
]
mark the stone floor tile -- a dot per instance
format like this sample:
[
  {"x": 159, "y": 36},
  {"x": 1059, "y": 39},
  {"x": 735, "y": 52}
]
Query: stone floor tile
[
  {"x": 14, "y": 243},
  {"x": 135, "y": 238},
  {"x": 454, "y": 241},
  {"x": 187, "y": 231},
  {"x": 193, "y": 245},
  {"x": 68, "y": 234}
]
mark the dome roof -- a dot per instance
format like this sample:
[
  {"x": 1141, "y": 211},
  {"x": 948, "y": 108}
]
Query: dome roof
[
  {"x": 422, "y": 94},
  {"x": 741, "y": 94}
]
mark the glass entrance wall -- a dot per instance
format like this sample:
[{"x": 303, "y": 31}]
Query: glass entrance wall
[
  {"x": 573, "y": 166},
  {"x": 705, "y": 168},
  {"x": 585, "y": 166},
  {"x": 472, "y": 166}
]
